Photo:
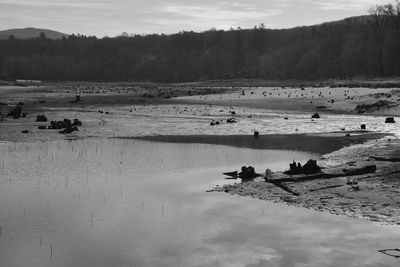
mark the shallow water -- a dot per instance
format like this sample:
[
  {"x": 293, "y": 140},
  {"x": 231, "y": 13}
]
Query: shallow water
[{"x": 112, "y": 202}]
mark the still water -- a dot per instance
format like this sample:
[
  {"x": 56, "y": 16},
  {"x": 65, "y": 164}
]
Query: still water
[{"x": 113, "y": 202}]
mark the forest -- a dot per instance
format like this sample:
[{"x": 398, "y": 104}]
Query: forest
[{"x": 366, "y": 46}]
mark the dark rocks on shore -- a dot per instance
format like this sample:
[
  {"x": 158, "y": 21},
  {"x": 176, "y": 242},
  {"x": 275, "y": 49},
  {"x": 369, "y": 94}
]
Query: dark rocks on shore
[
  {"x": 213, "y": 123},
  {"x": 231, "y": 120},
  {"x": 65, "y": 124},
  {"x": 41, "y": 118},
  {"x": 69, "y": 129},
  {"x": 247, "y": 173},
  {"x": 390, "y": 120},
  {"x": 77, "y": 122},
  {"x": 15, "y": 112},
  {"x": 315, "y": 116},
  {"x": 310, "y": 167}
]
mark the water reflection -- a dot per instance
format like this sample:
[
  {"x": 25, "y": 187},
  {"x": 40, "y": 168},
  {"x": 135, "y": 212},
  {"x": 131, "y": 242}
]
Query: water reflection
[{"x": 101, "y": 202}]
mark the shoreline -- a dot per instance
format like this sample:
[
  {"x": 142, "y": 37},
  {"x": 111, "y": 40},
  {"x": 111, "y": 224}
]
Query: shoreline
[
  {"x": 314, "y": 143},
  {"x": 373, "y": 196}
]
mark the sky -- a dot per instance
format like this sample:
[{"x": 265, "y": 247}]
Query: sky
[{"x": 112, "y": 17}]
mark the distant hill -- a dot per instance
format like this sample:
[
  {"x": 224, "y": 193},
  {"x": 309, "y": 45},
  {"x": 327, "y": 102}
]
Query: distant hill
[{"x": 28, "y": 33}]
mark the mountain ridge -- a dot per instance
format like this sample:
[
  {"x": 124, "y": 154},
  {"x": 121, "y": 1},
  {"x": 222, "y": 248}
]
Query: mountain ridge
[{"x": 31, "y": 32}]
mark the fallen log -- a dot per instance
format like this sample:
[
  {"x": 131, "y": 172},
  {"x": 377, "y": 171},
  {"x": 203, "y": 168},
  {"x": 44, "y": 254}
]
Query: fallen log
[
  {"x": 303, "y": 178},
  {"x": 359, "y": 171},
  {"x": 326, "y": 187},
  {"x": 385, "y": 159},
  {"x": 393, "y": 252},
  {"x": 284, "y": 186}
]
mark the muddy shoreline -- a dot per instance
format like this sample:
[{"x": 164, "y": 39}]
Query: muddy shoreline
[{"x": 315, "y": 143}]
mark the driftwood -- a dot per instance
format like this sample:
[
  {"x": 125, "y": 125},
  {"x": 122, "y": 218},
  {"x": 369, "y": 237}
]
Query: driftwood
[
  {"x": 390, "y": 251},
  {"x": 359, "y": 171},
  {"x": 303, "y": 178},
  {"x": 385, "y": 159},
  {"x": 284, "y": 186},
  {"x": 326, "y": 187}
]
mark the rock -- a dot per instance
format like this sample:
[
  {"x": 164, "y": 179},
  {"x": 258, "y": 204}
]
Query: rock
[
  {"x": 231, "y": 120},
  {"x": 311, "y": 167},
  {"x": 315, "y": 116},
  {"x": 56, "y": 125},
  {"x": 294, "y": 168},
  {"x": 77, "y": 122},
  {"x": 41, "y": 118},
  {"x": 363, "y": 126},
  {"x": 247, "y": 173},
  {"x": 67, "y": 122},
  {"x": 15, "y": 112},
  {"x": 25, "y": 131},
  {"x": 42, "y": 127},
  {"x": 68, "y": 130},
  {"x": 390, "y": 120}
]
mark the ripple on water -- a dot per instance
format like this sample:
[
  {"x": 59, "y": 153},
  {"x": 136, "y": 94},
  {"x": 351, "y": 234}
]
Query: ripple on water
[{"x": 112, "y": 202}]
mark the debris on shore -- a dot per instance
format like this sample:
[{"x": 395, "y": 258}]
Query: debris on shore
[{"x": 365, "y": 187}]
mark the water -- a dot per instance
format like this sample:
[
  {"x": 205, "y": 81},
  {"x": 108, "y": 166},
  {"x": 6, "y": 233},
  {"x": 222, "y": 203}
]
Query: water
[{"x": 112, "y": 202}]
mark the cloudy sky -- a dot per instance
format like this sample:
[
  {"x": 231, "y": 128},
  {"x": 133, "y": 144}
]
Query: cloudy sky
[{"x": 112, "y": 17}]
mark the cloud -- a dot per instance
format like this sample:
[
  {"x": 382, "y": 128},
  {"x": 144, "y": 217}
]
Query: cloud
[
  {"x": 219, "y": 15},
  {"x": 344, "y": 5},
  {"x": 104, "y": 17}
]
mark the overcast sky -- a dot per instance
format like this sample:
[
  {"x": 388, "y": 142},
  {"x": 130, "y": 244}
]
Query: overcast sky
[{"x": 112, "y": 17}]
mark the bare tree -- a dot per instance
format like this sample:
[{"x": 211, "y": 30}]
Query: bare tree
[{"x": 385, "y": 20}]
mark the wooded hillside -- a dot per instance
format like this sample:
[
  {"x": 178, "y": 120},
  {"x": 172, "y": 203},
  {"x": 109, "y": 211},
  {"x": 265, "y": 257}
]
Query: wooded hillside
[{"x": 354, "y": 47}]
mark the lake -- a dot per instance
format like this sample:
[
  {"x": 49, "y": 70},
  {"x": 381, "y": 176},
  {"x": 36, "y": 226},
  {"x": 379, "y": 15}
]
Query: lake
[{"x": 121, "y": 202}]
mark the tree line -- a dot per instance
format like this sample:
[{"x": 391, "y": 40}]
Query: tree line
[{"x": 365, "y": 46}]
